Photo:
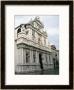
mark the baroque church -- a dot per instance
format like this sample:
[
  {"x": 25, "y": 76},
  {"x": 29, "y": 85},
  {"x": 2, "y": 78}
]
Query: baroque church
[{"x": 32, "y": 49}]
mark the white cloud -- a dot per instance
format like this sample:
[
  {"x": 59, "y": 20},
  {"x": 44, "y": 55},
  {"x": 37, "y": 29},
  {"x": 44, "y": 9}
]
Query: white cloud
[
  {"x": 53, "y": 36},
  {"x": 52, "y": 31}
]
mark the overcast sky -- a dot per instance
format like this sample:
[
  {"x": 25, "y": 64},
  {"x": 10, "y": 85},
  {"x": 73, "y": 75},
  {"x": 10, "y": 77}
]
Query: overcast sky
[{"x": 51, "y": 26}]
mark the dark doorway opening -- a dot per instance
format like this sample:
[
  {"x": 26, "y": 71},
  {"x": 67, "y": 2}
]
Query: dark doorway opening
[{"x": 40, "y": 60}]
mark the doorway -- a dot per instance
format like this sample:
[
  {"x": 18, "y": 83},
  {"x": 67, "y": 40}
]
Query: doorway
[{"x": 40, "y": 60}]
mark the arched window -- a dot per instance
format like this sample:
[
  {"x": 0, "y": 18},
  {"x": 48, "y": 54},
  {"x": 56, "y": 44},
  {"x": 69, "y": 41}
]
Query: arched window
[{"x": 19, "y": 30}]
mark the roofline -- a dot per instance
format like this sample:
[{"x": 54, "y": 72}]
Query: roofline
[{"x": 18, "y": 26}]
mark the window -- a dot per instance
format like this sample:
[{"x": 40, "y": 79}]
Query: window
[
  {"x": 27, "y": 56},
  {"x": 19, "y": 30}
]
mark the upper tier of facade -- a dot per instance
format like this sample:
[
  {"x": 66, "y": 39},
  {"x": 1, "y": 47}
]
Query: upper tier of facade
[{"x": 33, "y": 34}]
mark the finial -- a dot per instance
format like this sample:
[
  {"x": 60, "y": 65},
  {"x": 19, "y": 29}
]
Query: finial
[{"x": 37, "y": 17}]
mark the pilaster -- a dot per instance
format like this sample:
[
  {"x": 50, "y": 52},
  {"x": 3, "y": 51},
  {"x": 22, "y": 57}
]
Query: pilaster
[
  {"x": 24, "y": 56},
  {"x": 37, "y": 57},
  {"x": 31, "y": 56}
]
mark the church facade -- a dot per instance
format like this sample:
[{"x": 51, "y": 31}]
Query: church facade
[{"x": 32, "y": 49}]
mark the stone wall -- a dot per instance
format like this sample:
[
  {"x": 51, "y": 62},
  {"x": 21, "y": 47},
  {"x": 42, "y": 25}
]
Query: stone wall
[{"x": 32, "y": 61}]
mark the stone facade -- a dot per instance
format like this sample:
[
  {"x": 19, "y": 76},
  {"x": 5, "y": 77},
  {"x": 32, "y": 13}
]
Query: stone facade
[
  {"x": 55, "y": 56},
  {"x": 32, "y": 50}
]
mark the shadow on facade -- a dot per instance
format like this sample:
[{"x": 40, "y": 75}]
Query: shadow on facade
[{"x": 40, "y": 60}]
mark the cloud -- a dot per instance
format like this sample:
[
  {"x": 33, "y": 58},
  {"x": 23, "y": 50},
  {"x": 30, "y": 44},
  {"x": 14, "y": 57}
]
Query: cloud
[
  {"x": 48, "y": 20},
  {"x": 53, "y": 36},
  {"x": 52, "y": 31}
]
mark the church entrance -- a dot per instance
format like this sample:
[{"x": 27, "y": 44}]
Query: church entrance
[{"x": 40, "y": 60}]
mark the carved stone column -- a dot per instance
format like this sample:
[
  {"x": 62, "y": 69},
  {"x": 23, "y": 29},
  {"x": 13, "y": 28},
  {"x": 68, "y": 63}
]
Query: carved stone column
[
  {"x": 20, "y": 59},
  {"x": 37, "y": 57},
  {"x": 31, "y": 56},
  {"x": 44, "y": 58},
  {"x": 47, "y": 58},
  {"x": 20, "y": 56},
  {"x": 30, "y": 59},
  {"x": 51, "y": 61},
  {"x": 24, "y": 56},
  {"x": 37, "y": 60}
]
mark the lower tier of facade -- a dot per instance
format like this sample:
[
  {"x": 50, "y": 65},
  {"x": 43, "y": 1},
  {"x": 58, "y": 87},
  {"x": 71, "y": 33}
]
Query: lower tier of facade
[{"x": 29, "y": 59}]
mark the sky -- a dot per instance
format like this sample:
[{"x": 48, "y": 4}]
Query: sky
[{"x": 51, "y": 26}]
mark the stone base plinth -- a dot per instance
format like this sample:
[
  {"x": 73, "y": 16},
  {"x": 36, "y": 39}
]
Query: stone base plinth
[{"x": 32, "y": 67}]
